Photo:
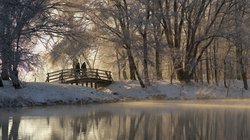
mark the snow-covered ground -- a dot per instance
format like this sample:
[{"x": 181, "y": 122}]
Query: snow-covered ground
[
  {"x": 51, "y": 94},
  {"x": 165, "y": 90}
]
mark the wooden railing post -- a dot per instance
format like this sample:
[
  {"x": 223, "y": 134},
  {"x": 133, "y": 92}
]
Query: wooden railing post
[
  {"x": 85, "y": 73},
  {"x": 61, "y": 77},
  {"x": 106, "y": 72},
  {"x": 97, "y": 74},
  {"x": 47, "y": 79},
  {"x": 110, "y": 76}
]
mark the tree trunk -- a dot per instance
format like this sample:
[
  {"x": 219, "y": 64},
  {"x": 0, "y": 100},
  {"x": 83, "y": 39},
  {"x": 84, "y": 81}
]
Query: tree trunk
[
  {"x": 215, "y": 63},
  {"x": 171, "y": 72},
  {"x": 1, "y": 82},
  {"x": 4, "y": 56},
  {"x": 158, "y": 58},
  {"x": 118, "y": 64},
  {"x": 158, "y": 62},
  {"x": 243, "y": 70},
  {"x": 131, "y": 64},
  {"x": 4, "y": 46},
  {"x": 225, "y": 74},
  {"x": 201, "y": 72},
  {"x": 132, "y": 67},
  {"x": 182, "y": 74},
  {"x": 207, "y": 68},
  {"x": 5, "y": 63},
  {"x": 1, "y": 48},
  {"x": 145, "y": 60},
  {"x": 244, "y": 78},
  {"x": 195, "y": 76},
  {"x": 15, "y": 60},
  {"x": 238, "y": 65},
  {"x": 138, "y": 76},
  {"x": 15, "y": 79},
  {"x": 240, "y": 45}
]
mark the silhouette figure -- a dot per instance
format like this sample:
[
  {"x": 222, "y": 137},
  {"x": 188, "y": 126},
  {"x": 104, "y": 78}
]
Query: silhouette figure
[
  {"x": 84, "y": 69},
  {"x": 78, "y": 67}
]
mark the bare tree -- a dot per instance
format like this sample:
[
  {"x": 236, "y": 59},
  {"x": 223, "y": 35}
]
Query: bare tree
[
  {"x": 158, "y": 36},
  {"x": 239, "y": 40},
  {"x": 21, "y": 20},
  {"x": 1, "y": 82},
  {"x": 191, "y": 30},
  {"x": 144, "y": 22},
  {"x": 114, "y": 17}
]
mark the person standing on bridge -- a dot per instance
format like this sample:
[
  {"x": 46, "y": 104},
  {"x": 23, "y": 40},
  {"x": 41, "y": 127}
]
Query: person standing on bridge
[
  {"x": 78, "y": 68},
  {"x": 84, "y": 69}
]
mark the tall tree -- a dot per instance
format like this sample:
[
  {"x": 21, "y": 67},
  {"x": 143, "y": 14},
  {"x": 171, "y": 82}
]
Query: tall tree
[
  {"x": 115, "y": 18},
  {"x": 158, "y": 36},
  {"x": 21, "y": 20},
  {"x": 144, "y": 22},
  {"x": 189, "y": 30},
  {"x": 239, "y": 40}
]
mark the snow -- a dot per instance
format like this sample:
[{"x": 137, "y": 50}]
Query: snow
[
  {"x": 49, "y": 94},
  {"x": 165, "y": 90},
  {"x": 34, "y": 94}
]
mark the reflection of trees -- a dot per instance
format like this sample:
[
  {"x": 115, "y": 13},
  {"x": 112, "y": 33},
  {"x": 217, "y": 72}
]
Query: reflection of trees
[
  {"x": 158, "y": 130},
  {"x": 83, "y": 125},
  {"x": 211, "y": 125},
  {"x": 185, "y": 125},
  {"x": 135, "y": 121},
  {"x": 14, "y": 129},
  {"x": 207, "y": 124},
  {"x": 4, "y": 123},
  {"x": 121, "y": 131}
]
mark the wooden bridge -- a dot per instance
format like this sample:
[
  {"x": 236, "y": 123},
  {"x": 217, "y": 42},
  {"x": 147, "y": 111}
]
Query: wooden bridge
[{"x": 90, "y": 77}]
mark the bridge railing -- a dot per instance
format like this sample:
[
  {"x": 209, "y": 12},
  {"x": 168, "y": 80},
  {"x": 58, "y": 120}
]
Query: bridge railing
[{"x": 71, "y": 74}]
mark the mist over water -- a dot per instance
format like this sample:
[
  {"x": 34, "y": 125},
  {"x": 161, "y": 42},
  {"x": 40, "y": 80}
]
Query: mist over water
[{"x": 126, "y": 121}]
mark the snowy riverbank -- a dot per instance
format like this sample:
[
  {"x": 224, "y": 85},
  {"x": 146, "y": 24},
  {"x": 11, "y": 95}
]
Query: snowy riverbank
[{"x": 37, "y": 94}]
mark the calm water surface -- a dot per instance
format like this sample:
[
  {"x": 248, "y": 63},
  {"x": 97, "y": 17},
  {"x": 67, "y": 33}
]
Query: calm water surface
[{"x": 126, "y": 121}]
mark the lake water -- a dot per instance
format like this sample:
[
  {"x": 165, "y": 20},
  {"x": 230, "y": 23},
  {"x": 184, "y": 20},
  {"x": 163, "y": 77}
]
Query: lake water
[{"x": 148, "y": 120}]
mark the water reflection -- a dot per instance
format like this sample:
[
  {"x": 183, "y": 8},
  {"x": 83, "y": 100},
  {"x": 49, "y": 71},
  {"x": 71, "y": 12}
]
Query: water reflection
[{"x": 125, "y": 121}]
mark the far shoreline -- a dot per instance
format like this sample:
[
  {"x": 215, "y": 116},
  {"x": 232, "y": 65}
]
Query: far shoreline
[{"x": 194, "y": 103}]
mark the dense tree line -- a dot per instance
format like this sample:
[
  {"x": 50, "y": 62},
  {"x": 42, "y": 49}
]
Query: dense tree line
[
  {"x": 200, "y": 40},
  {"x": 173, "y": 39}
]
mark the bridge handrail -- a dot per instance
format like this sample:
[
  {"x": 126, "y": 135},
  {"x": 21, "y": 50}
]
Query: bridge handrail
[{"x": 66, "y": 74}]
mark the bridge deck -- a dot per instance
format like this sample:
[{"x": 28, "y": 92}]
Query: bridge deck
[{"x": 93, "y": 77}]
